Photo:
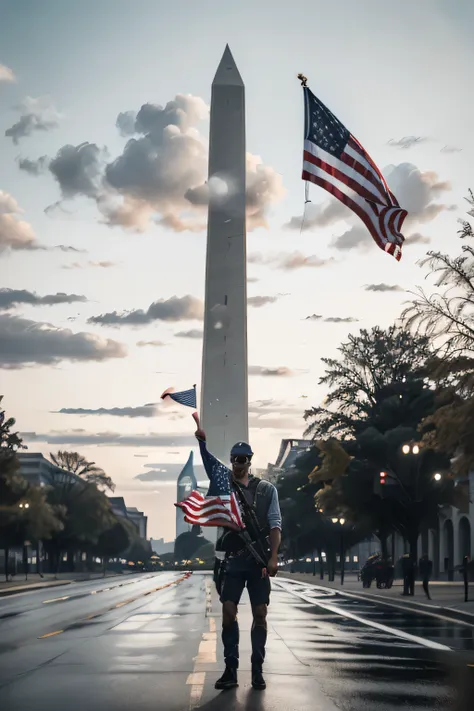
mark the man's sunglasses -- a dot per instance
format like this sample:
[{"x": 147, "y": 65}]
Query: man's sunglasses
[{"x": 240, "y": 459}]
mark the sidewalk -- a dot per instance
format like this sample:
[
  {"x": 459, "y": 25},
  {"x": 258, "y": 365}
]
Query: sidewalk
[
  {"x": 49, "y": 580},
  {"x": 447, "y": 598}
]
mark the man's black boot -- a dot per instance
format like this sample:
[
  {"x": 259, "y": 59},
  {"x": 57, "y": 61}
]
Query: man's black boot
[
  {"x": 258, "y": 682},
  {"x": 228, "y": 680}
]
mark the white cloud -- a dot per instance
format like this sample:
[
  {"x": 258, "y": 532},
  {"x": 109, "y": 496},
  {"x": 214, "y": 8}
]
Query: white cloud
[
  {"x": 15, "y": 233},
  {"x": 161, "y": 175},
  {"x": 6, "y": 74}
]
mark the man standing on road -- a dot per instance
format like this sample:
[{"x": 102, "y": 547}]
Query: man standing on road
[
  {"x": 239, "y": 568},
  {"x": 426, "y": 569}
]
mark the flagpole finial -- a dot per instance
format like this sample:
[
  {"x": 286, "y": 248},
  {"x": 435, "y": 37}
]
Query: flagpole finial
[{"x": 303, "y": 80}]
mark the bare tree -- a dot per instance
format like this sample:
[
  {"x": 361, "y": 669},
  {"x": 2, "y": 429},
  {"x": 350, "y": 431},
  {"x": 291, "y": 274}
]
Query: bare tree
[
  {"x": 77, "y": 464},
  {"x": 447, "y": 314}
]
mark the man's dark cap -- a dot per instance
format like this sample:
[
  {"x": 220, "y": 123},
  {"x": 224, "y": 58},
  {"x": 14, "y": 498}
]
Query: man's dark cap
[{"x": 242, "y": 449}]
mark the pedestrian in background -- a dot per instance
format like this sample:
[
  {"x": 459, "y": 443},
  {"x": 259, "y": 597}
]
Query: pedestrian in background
[
  {"x": 408, "y": 572},
  {"x": 465, "y": 576},
  {"x": 426, "y": 570}
]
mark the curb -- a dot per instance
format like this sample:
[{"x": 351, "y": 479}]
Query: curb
[
  {"x": 36, "y": 587},
  {"x": 446, "y": 613}
]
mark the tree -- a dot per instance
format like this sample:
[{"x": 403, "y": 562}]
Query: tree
[
  {"x": 382, "y": 404},
  {"x": 85, "y": 515},
  {"x": 409, "y": 499},
  {"x": 206, "y": 552},
  {"x": 78, "y": 465},
  {"x": 140, "y": 551},
  {"x": 296, "y": 493},
  {"x": 188, "y": 544},
  {"x": 447, "y": 317},
  {"x": 373, "y": 366},
  {"x": 24, "y": 511},
  {"x": 113, "y": 541},
  {"x": 10, "y": 442}
]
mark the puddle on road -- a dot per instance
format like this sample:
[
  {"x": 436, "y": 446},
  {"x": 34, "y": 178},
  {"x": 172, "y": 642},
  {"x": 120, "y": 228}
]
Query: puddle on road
[{"x": 153, "y": 639}]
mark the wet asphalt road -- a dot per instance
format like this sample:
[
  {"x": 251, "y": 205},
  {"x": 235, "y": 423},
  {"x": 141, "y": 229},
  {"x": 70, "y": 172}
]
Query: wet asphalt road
[{"x": 153, "y": 642}]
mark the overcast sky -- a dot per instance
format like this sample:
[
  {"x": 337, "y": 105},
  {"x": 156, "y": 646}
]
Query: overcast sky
[{"x": 103, "y": 133}]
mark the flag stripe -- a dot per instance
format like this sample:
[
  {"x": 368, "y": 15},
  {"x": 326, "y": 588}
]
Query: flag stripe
[
  {"x": 342, "y": 172},
  {"x": 365, "y": 166},
  {"x": 372, "y": 214},
  {"x": 211, "y": 510},
  {"x": 361, "y": 156},
  {"x": 350, "y": 203},
  {"x": 356, "y": 195}
]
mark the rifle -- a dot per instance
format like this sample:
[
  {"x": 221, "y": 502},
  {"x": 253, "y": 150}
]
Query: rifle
[{"x": 254, "y": 542}]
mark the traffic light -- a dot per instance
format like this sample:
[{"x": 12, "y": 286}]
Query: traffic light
[{"x": 383, "y": 477}]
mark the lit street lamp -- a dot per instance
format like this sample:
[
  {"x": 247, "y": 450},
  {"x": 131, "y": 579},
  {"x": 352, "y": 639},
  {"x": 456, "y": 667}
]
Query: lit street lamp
[
  {"x": 437, "y": 476},
  {"x": 341, "y": 521},
  {"x": 411, "y": 449}
]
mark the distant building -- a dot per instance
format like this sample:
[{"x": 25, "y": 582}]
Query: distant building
[
  {"x": 139, "y": 519},
  {"x": 186, "y": 483},
  {"x": 118, "y": 506},
  {"x": 290, "y": 449},
  {"x": 39, "y": 471}
]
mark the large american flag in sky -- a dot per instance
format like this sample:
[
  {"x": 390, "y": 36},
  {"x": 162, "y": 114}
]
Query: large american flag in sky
[
  {"x": 336, "y": 161},
  {"x": 220, "y": 506}
]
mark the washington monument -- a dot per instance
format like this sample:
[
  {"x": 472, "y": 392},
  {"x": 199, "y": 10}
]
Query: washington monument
[{"x": 224, "y": 405}]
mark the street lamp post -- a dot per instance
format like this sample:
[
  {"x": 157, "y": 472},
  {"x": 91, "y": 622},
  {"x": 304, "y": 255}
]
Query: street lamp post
[
  {"x": 24, "y": 505},
  {"x": 342, "y": 551}
]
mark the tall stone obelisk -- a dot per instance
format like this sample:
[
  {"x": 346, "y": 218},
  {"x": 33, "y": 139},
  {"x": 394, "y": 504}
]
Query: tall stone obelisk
[{"x": 224, "y": 403}]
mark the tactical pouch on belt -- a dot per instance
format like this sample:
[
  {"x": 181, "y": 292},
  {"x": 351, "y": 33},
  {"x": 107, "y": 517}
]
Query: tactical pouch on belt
[{"x": 219, "y": 570}]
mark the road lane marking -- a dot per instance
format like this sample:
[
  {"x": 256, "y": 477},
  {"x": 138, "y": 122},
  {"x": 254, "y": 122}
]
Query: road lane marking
[
  {"x": 56, "y": 599},
  {"x": 207, "y": 654},
  {"x": 51, "y": 634},
  {"x": 118, "y": 605},
  {"x": 196, "y": 680},
  {"x": 125, "y": 602},
  {"x": 375, "y": 599},
  {"x": 369, "y": 623}
]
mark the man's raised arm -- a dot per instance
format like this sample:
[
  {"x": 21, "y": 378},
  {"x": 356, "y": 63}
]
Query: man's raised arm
[{"x": 211, "y": 464}]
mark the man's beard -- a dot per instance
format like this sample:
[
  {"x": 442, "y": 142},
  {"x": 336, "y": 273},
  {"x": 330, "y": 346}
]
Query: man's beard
[{"x": 239, "y": 473}]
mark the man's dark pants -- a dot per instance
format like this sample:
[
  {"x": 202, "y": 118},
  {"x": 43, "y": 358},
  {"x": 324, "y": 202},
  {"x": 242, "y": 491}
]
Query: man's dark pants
[{"x": 242, "y": 572}]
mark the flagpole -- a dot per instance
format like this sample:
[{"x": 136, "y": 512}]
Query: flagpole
[
  {"x": 304, "y": 84},
  {"x": 195, "y": 414}
]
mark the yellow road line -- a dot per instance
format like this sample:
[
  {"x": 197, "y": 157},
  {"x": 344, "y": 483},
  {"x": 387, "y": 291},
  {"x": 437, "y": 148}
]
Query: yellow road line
[
  {"x": 196, "y": 680},
  {"x": 125, "y": 602},
  {"x": 51, "y": 634},
  {"x": 207, "y": 653},
  {"x": 56, "y": 599}
]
